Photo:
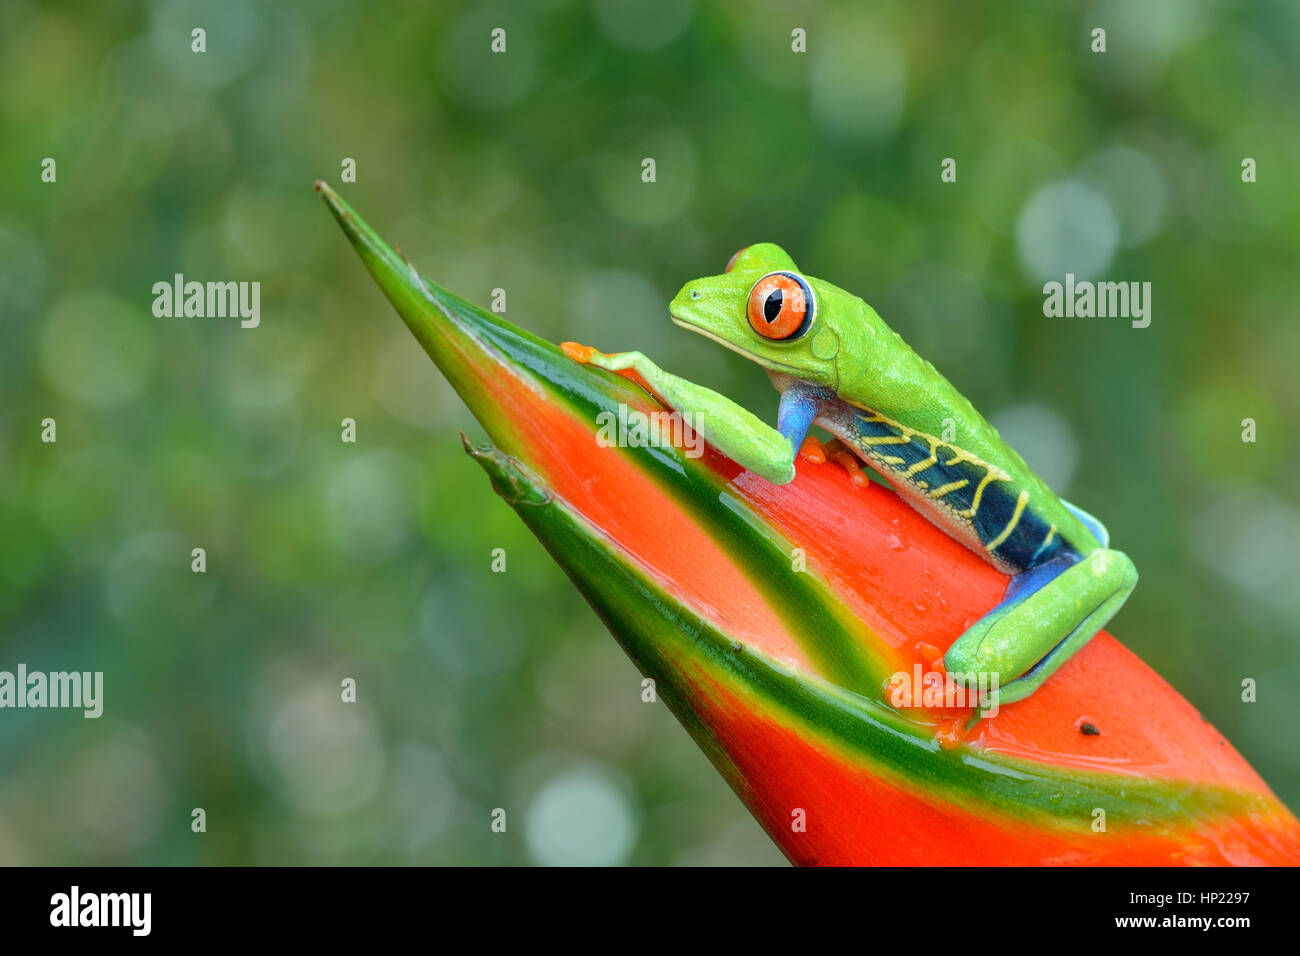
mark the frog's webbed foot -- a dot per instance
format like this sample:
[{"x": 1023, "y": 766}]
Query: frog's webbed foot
[{"x": 834, "y": 450}]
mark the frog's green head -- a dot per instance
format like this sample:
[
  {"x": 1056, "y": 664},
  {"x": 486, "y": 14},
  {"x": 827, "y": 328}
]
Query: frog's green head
[{"x": 765, "y": 309}]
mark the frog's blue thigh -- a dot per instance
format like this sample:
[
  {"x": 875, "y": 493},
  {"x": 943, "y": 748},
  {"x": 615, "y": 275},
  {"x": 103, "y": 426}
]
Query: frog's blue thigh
[{"x": 1048, "y": 613}]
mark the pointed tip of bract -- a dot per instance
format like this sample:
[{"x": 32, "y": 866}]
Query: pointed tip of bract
[
  {"x": 330, "y": 196},
  {"x": 351, "y": 223},
  {"x": 396, "y": 276}
]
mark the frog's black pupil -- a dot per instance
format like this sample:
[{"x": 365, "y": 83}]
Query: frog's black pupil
[{"x": 772, "y": 307}]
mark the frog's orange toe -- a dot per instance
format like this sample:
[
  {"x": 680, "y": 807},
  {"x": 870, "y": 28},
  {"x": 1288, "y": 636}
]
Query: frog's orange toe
[
  {"x": 951, "y": 733},
  {"x": 849, "y": 462},
  {"x": 811, "y": 450},
  {"x": 577, "y": 351},
  {"x": 814, "y": 451},
  {"x": 932, "y": 656}
]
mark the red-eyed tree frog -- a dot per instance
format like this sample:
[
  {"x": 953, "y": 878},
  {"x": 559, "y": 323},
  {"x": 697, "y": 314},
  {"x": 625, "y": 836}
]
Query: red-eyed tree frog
[{"x": 837, "y": 365}]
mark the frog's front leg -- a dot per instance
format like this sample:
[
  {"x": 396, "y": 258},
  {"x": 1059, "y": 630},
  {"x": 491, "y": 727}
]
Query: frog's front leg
[
  {"x": 735, "y": 431},
  {"x": 1049, "y": 612}
]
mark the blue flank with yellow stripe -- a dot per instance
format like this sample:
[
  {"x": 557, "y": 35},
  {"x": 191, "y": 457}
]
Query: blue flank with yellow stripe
[{"x": 957, "y": 487}]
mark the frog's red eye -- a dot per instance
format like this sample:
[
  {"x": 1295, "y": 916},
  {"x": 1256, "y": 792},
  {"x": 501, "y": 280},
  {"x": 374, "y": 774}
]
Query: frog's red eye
[
  {"x": 731, "y": 263},
  {"x": 780, "y": 306}
]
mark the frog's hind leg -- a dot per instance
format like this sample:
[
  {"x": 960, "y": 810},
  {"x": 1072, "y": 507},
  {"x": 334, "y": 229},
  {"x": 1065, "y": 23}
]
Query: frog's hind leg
[{"x": 1048, "y": 613}]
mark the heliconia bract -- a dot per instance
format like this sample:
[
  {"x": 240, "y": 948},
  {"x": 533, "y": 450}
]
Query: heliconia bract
[{"x": 774, "y": 618}]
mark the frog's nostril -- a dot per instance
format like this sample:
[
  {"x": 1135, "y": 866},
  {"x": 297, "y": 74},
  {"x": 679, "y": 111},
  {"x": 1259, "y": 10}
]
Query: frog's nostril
[{"x": 696, "y": 294}]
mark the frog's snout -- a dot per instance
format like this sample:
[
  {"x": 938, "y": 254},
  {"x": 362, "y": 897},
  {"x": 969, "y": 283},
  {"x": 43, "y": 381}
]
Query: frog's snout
[
  {"x": 683, "y": 306},
  {"x": 689, "y": 296},
  {"x": 701, "y": 306}
]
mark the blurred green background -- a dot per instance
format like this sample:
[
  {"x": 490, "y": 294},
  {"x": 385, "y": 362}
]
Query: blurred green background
[{"x": 522, "y": 171}]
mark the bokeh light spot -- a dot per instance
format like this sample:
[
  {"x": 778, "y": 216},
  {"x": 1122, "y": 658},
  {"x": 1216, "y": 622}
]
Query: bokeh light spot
[
  {"x": 858, "y": 81},
  {"x": 1066, "y": 227},
  {"x": 327, "y": 754},
  {"x": 1044, "y": 439},
  {"x": 641, "y": 24},
  {"x": 97, "y": 350},
  {"x": 581, "y": 817}
]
